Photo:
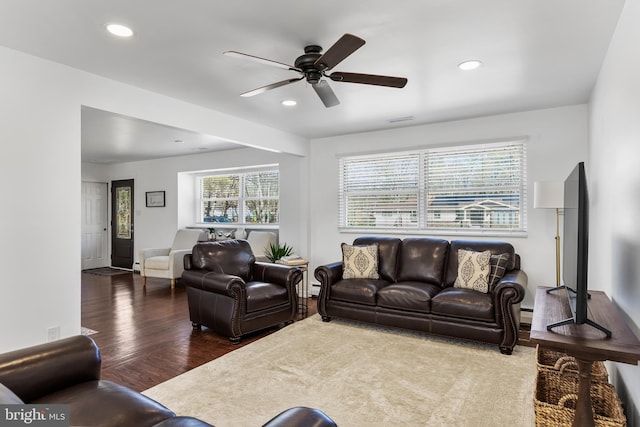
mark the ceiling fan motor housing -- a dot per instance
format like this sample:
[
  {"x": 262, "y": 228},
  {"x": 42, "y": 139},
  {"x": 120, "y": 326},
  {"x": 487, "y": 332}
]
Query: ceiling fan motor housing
[{"x": 307, "y": 63}]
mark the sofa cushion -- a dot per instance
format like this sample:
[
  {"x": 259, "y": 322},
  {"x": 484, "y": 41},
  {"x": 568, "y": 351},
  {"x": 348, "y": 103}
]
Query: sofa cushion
[
  {"x": 388, "y": 248},
  {"x": 107, "y": 404},
  {"x": 360, "y": 262},
  {"x": 473, "y": 270},
  {"x": 261, "y": 295},
  {"x": 463, "y": 303},
  {"x": 422, "y": 260},
  {"x": 478, "y": 246},
  {"x": 414, "y": 296},
  {"x": 498, "y": 267},
  {"x": 361, "y": 291}
]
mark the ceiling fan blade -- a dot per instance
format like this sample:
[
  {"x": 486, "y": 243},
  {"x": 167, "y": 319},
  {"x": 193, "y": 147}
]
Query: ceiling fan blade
[
  {"x": 269, "y": 87},
  {"x": 368, "y": 79},
  {"x": 345, "y": 46},
  {"x": 324, "y": 91},
  {"x": 261, "y": 60}
]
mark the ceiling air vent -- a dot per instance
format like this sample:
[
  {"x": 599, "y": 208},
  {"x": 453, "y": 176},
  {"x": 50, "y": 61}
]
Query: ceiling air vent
[{"x": 401, "y": 119}]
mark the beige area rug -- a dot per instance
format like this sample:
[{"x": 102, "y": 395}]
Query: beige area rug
[{"x": 359, "y": 375}]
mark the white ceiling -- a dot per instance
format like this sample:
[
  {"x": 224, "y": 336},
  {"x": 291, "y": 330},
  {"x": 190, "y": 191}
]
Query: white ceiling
[{"x": 536, "y": 54}]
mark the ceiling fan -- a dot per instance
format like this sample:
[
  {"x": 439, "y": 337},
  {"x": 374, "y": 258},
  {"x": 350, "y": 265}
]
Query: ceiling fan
[{"x": 313, "y": 66}]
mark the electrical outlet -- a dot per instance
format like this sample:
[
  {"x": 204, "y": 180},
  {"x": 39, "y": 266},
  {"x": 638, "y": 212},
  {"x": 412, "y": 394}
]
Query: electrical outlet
[{"x": 53, "y": 333}]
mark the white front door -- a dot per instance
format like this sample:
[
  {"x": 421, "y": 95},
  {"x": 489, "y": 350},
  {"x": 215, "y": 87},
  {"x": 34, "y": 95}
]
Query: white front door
[{"x": 95, "y": 244}]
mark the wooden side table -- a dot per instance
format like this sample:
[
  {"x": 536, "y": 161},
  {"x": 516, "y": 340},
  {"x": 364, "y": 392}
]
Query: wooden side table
[{"x": 584, "y": 342}]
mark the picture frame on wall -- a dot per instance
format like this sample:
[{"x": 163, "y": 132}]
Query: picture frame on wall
[{"x": 155, "y": 199}]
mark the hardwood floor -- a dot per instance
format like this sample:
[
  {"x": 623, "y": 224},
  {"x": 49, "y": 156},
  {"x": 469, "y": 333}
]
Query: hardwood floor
[{"x": 144, "y": 334}]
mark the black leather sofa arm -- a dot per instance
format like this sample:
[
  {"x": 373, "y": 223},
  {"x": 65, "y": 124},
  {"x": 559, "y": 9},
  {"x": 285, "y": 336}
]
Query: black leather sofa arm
[
  {"x": 329, "y": 274},
  {"x": 510, "y": 290},
  {"x": 42, "y": 369},
  {"x": 277, "y": 273},
  {"x": 516, "y": 279}
]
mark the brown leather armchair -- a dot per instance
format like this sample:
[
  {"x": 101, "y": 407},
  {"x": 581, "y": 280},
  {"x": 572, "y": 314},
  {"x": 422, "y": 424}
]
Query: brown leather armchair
[
  {"x": 67, "y": 372},
  {"x": 232, "y": 294}
]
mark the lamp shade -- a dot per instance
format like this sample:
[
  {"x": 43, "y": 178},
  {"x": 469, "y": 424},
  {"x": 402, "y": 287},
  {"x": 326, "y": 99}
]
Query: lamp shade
[{"x": 548, "y": 194}]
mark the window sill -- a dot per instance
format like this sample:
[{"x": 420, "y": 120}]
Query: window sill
[
  {"x": 232, "y": 225},
  {"x": 427, "y": 233}
]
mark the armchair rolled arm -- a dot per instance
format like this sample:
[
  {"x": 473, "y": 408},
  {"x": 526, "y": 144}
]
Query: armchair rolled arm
[
  {"x": 211, "y": 281},
  {"x": 42, "y": 369},
  {"x": 277, "y": 273},
  {"x": 186, "y": 262}
]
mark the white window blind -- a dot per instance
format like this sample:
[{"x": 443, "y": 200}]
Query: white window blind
[
  {"x": 380, "y": 191},
  {"x": 242, "y": 198},
  {"x": 478, "y": 187}
]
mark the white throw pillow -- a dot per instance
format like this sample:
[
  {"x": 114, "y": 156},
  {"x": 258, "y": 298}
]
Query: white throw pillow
[
  {"x": 360, "y": 262},
  {"x": 473, "y": 270}
]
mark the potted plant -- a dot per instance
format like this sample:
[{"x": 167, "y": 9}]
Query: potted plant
[
  {"x": 275, "y": 251},
  {"x": 212, "y": 233}
]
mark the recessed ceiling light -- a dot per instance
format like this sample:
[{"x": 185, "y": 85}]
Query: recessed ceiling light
[
  {"x": 289, "y": 103},
  {"x": 470, "y": 65},
  {"x": 119, "y": 30}
]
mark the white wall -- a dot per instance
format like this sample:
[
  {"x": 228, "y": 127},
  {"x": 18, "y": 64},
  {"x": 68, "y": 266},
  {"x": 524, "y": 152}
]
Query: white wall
[
  {"x": 557, "y": 141},
  {"x": 40, "y": 187},
  {"x": 615, "y": 188},
  {"x": 40, "y": 180},
  {"x": 155, "y": 227}
]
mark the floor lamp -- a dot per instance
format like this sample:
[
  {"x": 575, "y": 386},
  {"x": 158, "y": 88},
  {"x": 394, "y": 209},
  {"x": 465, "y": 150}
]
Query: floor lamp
[{"x": 550, "y": 195}]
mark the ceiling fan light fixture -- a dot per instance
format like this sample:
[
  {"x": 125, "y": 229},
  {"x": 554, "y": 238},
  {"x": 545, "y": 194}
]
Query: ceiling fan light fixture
[
  {"x": 289, "y": 103},
  {"x": 469, "y": 65},
  {"x": 119, "y": 30}
]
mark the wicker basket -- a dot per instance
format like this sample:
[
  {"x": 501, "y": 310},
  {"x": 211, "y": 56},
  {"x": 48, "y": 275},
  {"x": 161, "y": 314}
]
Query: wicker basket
[
  {"x": 555, "y": 402},
  {"x": 561, "y": 362}
]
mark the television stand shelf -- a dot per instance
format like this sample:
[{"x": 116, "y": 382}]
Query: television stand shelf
[
  {"x": 570, "y": 320},
  {"x": 583, "y": 342}
]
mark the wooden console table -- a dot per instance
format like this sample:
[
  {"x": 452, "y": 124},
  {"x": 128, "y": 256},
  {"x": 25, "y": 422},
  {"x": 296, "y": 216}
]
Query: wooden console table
[{"x": 585, "y": 343}]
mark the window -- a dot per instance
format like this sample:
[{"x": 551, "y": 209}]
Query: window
[
  {"x": 471, "y": 188},
  {"x": 247, "y": 197}
]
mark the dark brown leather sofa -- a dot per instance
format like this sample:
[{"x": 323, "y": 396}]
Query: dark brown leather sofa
[
  {"x": 67, "y": 372},
  {"x": 232, "y": 294},
  {"x": 415, "y": 291}
]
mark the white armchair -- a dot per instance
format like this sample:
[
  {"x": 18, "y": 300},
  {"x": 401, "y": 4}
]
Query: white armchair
[
  {"x": 167, "y": 263},
  {"x": 260, "y": 241}
]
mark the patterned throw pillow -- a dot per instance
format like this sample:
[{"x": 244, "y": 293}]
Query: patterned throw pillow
[
  {"x": 360, "y": 262},
  {"x": 498, "y": 268},
  {"x": 473, "y": 270}
]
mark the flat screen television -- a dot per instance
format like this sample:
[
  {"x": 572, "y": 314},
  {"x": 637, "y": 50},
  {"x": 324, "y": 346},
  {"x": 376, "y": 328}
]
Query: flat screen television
[{"x": 575, "y": 249}]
